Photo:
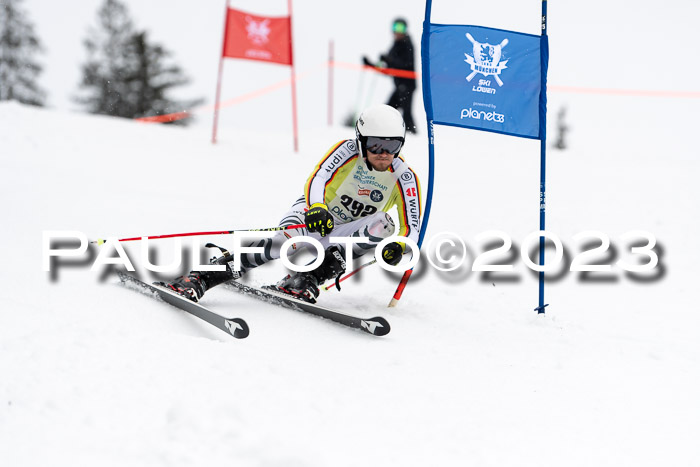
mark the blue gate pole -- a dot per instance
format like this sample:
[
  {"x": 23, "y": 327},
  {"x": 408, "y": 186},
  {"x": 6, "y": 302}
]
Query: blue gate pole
[
  {"x": 427, "y": 102},
  {"x": 544, "y": 59}
]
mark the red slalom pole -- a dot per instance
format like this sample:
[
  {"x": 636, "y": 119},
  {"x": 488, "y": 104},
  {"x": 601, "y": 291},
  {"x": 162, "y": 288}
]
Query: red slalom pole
[
  {"x": 218, "y": 81},
  {"x": 330, "y": 82},
  {"x": 100, "y": 241},
  {"x": 294, "y": 85},
  {"x": 399, "y": 290}
]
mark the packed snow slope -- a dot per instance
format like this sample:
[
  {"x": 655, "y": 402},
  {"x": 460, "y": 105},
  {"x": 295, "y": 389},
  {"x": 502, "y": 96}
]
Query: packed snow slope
[{"x": 92, "y": 373}]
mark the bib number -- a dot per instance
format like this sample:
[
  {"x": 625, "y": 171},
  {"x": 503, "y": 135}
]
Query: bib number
[{"x": 356, "y": 208}]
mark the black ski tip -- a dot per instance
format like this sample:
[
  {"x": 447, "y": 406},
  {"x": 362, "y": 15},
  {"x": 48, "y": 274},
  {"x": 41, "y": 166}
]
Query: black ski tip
[
  {"x": 377, "y": 326},
  {"x": 237, "y": 327}
]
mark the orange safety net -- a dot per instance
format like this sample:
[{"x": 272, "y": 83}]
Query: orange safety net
[{"x": 408, "y": 74}]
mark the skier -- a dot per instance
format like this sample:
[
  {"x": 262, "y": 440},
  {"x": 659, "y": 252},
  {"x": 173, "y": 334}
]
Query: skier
[
  {"x": 400, "y": 57},
  {"x": 348, "y": 193}
]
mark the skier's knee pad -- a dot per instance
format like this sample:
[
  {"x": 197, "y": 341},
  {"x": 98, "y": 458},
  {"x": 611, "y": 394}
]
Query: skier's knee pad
[{"x": 382, "y": 226}]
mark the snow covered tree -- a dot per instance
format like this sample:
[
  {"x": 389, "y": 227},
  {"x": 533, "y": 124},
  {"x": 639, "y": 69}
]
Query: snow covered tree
[
  {"x": 18, "y": 45},
  {"x": 125, "y": 75}
]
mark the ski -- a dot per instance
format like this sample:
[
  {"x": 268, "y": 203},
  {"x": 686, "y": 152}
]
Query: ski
[
  {"x": 235, "y": 327},
  {"x": 376, "y": 326}
]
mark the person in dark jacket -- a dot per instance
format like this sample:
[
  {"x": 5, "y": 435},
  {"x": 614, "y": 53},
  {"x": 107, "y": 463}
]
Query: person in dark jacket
[{"x": 400, "y": 57}]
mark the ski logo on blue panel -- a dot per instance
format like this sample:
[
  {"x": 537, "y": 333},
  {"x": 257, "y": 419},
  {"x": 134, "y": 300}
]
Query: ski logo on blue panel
[
  {"x": 484, "y": 78},
  {"x": 486, "y": 59}
]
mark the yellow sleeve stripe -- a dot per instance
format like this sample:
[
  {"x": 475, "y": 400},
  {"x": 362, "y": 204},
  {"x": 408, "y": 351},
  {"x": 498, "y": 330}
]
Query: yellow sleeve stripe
[
  {"x": 318, "y": 167},
  {"x": 420, "y": 205},
  {"x": 337, "y": 171},
  {"x": 401, "y": 207}
]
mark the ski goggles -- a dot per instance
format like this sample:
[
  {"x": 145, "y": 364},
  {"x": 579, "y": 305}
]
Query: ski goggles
[{"x": 377, "y": 145}]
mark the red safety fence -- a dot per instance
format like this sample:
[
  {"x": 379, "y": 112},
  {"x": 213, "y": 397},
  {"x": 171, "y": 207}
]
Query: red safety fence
[{"x": 407, "y": 74}]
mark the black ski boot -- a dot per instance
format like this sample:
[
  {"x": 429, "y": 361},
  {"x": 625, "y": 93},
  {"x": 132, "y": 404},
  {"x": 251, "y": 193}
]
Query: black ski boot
[
  {"x": 190, "y": 286},
  {"x": 193, "y": 285},
  {"x": 304, "y": 285}
]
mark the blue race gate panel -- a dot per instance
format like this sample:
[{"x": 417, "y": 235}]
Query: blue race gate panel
[{"x": 486, "y": 79}]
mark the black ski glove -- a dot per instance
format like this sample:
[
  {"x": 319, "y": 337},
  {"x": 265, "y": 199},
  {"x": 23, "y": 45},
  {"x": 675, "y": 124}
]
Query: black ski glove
[
  {"x": 366, "y": 61},
  {"x": 392, "y": 252},
  {"x": 318, "y": 219}
]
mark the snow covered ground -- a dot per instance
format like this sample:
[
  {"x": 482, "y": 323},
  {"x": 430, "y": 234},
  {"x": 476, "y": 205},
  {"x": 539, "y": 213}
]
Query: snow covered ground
[{"x": 92, "y": 373}]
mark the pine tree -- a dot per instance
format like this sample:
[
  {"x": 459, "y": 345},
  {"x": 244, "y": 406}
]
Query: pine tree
[
  {"x": 151, "y": 79},
  {"x": 107, "y": 62},
  {"x": 18, "y": 44},
  {"x": 125, "y": 75}
]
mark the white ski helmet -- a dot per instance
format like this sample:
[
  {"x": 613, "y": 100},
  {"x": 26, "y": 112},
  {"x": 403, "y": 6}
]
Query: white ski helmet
[{"x": 383, "y": 122}]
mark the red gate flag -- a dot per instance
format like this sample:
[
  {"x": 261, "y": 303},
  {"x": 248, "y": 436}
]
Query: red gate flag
[
  {"x": 261, "y": 38},
  {"x": 258, "y": 37}
]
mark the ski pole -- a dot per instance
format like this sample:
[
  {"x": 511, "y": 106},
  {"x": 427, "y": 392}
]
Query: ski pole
[
  {"x": 350, "y": 274},
  {"x": 100, "y": 241}
]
